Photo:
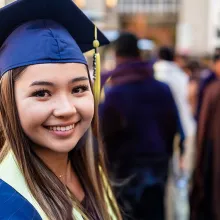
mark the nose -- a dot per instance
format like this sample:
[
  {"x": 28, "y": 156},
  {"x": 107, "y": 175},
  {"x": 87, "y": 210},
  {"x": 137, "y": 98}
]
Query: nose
[{"x": 64, "y": 107}]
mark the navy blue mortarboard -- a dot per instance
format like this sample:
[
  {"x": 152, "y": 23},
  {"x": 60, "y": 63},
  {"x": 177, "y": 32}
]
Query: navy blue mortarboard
[{"x": 45, "y": 31}]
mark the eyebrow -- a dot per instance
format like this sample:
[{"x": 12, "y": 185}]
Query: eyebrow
[
  {"x": 41, "y": 83},
  {"x": 46, "y": 83},
  {"x": 82, "y": 78}
]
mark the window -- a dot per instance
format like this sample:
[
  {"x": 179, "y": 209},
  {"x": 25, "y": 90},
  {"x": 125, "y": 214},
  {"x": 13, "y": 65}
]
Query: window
[{"x": 162, "y": 6}]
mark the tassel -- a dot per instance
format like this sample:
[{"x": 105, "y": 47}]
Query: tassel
[{"x": 97, "y": 70}]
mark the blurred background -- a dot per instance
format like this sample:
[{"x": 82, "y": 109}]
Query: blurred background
[{"x": 192, "y": 29}]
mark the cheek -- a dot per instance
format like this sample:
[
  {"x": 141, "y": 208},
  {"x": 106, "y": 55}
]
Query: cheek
[
  {"x": 85, "y": 108},
  {"x": 31, "y": 114},
  {"x": 24, "y": 108}
]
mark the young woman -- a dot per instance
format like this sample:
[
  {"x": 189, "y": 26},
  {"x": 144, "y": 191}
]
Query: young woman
[{"x": 49, "y": 168}]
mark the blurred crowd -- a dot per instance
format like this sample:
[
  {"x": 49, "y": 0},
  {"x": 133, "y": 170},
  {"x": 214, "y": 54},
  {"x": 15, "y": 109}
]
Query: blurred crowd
[{"x": 159, "y": 122}]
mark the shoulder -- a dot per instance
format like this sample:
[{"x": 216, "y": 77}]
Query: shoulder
[
  {"x": 13, "y": 206},
  {"x": 113, "y": 93},
  {"x": 161, "y": 87}
]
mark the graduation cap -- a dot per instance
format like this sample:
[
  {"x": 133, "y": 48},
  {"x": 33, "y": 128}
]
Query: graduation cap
[{"x": 47, "y": 31}]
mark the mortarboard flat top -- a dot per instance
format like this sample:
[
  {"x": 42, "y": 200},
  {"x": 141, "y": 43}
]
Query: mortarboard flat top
[
  {"x": 64, "y": 12},
  {"x": 44, "y": 31}
]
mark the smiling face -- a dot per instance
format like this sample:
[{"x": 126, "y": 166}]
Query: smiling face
[{"x": 55, "y": 104}]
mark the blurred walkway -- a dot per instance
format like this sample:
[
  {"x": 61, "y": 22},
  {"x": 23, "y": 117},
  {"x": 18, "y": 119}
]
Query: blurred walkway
[{"x": 177, "y": 205}]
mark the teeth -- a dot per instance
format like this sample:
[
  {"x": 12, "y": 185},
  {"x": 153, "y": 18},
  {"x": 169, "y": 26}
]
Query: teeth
[{"x": 58, "y": 128}]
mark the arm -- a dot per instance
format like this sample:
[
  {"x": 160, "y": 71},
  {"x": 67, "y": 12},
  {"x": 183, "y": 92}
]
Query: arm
[
  {"x": 181, "y": 133},
  {"x": 179, "y": 127}
]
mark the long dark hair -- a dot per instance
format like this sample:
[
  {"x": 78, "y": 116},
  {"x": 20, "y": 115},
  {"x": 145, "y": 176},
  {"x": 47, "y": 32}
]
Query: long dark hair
[{"x": 51, "y": 194}]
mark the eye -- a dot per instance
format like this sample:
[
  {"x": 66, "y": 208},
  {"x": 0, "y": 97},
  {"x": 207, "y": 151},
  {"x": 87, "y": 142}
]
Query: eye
[
  {"x": 80, "y": 89},
  {"x": 41, "y": 93}
]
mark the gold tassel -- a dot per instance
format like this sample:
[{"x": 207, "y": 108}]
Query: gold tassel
[{"x": 97, "y": 70}]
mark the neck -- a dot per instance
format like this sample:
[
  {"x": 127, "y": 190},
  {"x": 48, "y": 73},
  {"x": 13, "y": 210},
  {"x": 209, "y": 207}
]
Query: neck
[
  {"x": 61, "y": 167},
  {"x": 57, "y": 162}
]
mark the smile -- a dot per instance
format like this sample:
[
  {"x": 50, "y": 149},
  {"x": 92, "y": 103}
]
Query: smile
[{"x": 61, "y": 128}]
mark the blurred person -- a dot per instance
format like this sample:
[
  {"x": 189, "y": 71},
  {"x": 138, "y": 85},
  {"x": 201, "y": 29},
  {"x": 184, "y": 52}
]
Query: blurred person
[
  {"x": 205, "y": 196},
  {"x": 139, "y": 120},
  {"x": 193, "y": 70},
  {"x": 181, "y": 60},
  {"x": 167, "y": 71},
  {"x": 216, "y": 66},
  {"x": 217, "y": 50},
  {"x": 211, "y": 76},
  {"x": 49, "y": 167}
]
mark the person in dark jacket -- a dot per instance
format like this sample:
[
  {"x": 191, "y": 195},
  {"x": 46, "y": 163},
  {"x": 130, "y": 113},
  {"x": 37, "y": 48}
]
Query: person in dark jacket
[
  {"x": 211, "y": 76},
  {"x": 205, "y": 196},
  {"x": 139, "y": 120}
]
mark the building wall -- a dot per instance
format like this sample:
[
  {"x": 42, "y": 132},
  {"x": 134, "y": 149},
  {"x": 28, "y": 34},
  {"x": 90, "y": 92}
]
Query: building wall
[
  {"x": 197, "y": 27},
  {"x": 95, "y": 5},
  {"x": 161, "y": 31},
  {"x": 146, "y": 6},
  {"x": 155, "y": 20},
  {"x": 2, "y": 3},
  {"x": 97, "y": 11},
  {"x": 213, "y": 26},
  {"x": 8, "y": 1}
]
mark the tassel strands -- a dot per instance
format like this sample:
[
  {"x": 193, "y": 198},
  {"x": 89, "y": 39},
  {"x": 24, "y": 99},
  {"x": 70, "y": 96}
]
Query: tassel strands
[{"x": 97, "y": 70}]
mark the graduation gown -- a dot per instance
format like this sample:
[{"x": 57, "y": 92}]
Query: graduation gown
[
  {"x": 205, "y": 195},
  {"x": 16, "y": 200}
]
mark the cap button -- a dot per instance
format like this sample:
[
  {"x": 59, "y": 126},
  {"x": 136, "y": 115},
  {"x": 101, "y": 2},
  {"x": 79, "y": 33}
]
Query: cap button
[{"x": 96, "y": 44}]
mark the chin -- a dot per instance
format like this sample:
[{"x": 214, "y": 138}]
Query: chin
[
  {"x": 57, "y": 143},
  {"x": 62, "y": 147},
  {"x": 61, "y": 150},
  {"x": 56, "y": 146}
]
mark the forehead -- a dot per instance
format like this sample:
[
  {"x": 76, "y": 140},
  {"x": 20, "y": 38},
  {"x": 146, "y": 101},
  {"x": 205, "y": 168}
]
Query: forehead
[{"x": 53, "y": 71}]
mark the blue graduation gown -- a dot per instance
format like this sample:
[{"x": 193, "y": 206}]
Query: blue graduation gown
[
  {"x": 14, "y": 206},
  {"x": 16, "y": 200}
]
